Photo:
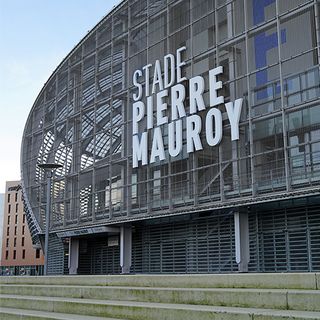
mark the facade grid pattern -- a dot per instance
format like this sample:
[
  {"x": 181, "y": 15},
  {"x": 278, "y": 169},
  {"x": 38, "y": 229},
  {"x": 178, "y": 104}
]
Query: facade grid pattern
[{"x": 82, "y": 118}]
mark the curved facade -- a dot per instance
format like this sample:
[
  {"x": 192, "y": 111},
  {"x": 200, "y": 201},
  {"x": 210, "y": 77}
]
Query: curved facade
[{"x": 261, "y": 58}]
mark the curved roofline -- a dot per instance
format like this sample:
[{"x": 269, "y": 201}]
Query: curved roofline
[{"x": 56, "y": 70}]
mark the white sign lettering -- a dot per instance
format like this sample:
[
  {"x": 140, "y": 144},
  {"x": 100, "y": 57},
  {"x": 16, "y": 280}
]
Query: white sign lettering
[{"x": 166, "y": 111}]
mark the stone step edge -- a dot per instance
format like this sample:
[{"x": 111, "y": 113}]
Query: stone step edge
[
  {"x": 292, "y": 314},
  {"x": 248, "y": 280},
  {"x": 48, "y": 315},
  {"x": 213, "y": 289},
  {"x": 233, "y": 297}
]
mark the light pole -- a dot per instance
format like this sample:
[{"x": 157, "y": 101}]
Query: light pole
[{"x": 48, "y": 168}]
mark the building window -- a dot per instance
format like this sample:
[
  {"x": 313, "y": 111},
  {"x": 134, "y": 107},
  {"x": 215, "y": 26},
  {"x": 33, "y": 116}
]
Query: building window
[
  {"x": 37, "y": 253},
  {"x": 17, "y": 207},
  {"x": 8, "y": 197},
  {"x": 8, "y": 231},
  {"x": 23, "y": 230},
  {"x": 7, "y": 254},
  {"x": 15, "y": 230},
  {"x": 16, "y": 197},
  {"x": 9, "y": 208},
  {"x": 7, "y": 243},
  {"x": 24, "y": 218},
  {"x": 22, "y": 241},
  {"x": 15, "y": 242},
  {"x": 23, "y": 254},
  {"x": 14, "y": 254},
  {"x": 8, "y": 219},
  {"x": 16, "y": 219}
]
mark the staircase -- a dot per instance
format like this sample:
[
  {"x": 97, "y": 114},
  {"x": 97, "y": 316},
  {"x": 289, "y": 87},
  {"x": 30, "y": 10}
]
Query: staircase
[{"x": 162, "y": 297}]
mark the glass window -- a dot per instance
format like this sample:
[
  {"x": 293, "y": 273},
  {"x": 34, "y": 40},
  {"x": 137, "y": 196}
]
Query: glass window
[
  {"x": 85, "y": 183},
  {"x": 90, "y": 44},
  {"x": 103, "y": 88},
  {"x": 224, "y": 26},
  {"x": 76, "y": 56},
  {"x": 157, "y": 52},
  {"x": 297, "y": 27},
  {"x": 138, "y": 11},
  {"x": 137, "y": 62},
  {"x": 120, "y": 21},
  {"x": 156, "y": 6},
  {"x": 260, "y": 11},
  {"x": 88, "y": 68},
  {"x": 201, "y": 8},
  {"x": 204, "y": 35},
  {"x": 235, "y": 57},
  {"x": 285, "y": 6},
  {"x": 157, "y": 29},
  {"x": 37, "y": 253},
  {"x": 265, "y": 91},
  {"x": 304, "y": 119},
  {"x": 296, "y": 70},
  {"x": 23, "y": 254},
  {"x": 88, "y": 92},
  {"x": 267, "y": 135},
  {"x": 138, "y": 39},
  {"x": 263, "y": 51},
  {"x": 119, "y": 78},
  {"x": 179, "y": 15},
  {"x": 236, "y": 7},
  {"x": 269, "y": 171},
  {"x": 180, "y": 39},
  {"x": 104, "y": 32}
]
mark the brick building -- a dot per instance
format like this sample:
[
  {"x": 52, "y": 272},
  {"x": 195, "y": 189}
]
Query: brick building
[{"x": 18, "y": 255}]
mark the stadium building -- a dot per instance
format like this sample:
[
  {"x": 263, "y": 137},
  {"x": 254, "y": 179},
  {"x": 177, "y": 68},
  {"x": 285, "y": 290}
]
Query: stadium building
[{"x": 189, "y": 134}]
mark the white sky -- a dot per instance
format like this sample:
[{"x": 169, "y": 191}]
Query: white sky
[{"x": 35, "y": 36}]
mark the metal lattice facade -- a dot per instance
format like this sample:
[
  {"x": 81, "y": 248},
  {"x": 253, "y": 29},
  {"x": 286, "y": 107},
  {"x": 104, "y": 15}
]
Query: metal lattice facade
[{"x": 82, "y": 119}]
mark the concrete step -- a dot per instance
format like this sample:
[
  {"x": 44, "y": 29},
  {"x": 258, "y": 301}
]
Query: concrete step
[
  {"x": 11, "y": 313},
  {"x": 147, "y": 310},
  {"x": 291, "y": 299},
  {"x": 308, "y": 281}
]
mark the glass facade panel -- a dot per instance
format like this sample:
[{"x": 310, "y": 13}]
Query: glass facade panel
[{"x": 83, "y": 117}]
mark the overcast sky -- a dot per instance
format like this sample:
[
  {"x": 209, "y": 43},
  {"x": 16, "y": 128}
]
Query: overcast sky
[{"x": 35, "y": 35}]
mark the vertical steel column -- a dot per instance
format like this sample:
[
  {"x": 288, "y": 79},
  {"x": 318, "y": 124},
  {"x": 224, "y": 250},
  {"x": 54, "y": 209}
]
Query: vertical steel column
[
  {"x": 73, "y": 259},
  {"x": 232, "y": 60},
  {"x": 125, "y": 248},
  {"x": 284, "y": 129},
  {"x": 217, "y": 63},
  {"x": 127, "y": 122},
  {"x": 48, "y": 205},
  {"x": 317, "y": 19},
  {"x": 253, "y": 179},
  {"x": 241, "y": 230}
]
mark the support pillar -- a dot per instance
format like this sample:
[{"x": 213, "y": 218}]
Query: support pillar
[
  {"x": 241, "y": 227},
  {"x": 73, "y": 261},
  {"x": 125, "y": 248}
]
